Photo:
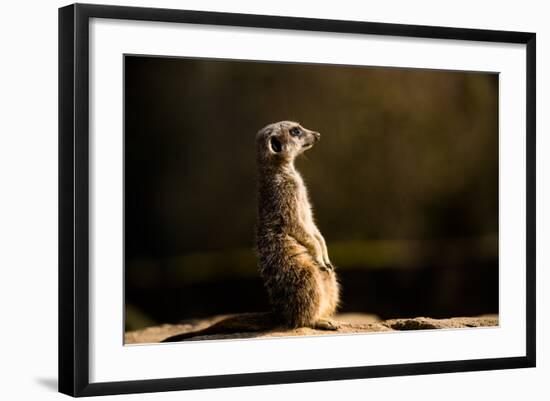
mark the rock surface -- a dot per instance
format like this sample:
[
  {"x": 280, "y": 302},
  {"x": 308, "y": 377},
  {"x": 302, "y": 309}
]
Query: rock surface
[{"x": 348, "y": 323}]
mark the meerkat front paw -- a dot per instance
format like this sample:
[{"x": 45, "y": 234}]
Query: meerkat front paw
[
  {"x": 320, "y": 263},
  {"x": 326, "y": 324},
  {"x": 325, "y": 268}
]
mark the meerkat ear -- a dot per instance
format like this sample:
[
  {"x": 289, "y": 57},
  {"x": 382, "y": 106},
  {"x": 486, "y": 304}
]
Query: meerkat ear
[{"x": 275, "y": 144}]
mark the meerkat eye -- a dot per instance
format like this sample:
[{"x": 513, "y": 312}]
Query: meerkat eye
[{"x": 296, "y": 131}]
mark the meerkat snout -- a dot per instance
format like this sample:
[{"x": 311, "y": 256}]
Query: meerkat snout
[{"x": 314, "y": 137}]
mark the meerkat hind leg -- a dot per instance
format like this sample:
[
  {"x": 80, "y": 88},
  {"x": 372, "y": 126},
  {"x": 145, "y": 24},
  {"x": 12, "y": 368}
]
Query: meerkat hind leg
[{"x": 326, "y": 324}]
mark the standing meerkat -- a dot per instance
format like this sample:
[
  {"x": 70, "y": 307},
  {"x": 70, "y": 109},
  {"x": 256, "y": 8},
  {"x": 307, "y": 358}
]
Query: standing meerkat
[{"x": 293, "y": 257}]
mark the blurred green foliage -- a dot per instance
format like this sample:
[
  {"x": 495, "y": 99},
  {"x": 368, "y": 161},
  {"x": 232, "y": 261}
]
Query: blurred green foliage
[{"x": 381, "y": 254}]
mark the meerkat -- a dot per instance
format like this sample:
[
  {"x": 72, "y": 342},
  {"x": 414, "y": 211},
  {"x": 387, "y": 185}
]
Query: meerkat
[{"x": 293, "y": 258}]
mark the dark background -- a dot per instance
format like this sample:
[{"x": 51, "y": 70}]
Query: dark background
[{"x": 404, "y": 184}]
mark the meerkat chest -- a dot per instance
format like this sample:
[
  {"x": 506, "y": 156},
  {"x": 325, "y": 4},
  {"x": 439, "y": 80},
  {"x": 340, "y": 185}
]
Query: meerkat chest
[{"x": 302, "y": 201}]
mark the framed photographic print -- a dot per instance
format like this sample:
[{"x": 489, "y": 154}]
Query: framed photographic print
[{"x": 251, "y": 199}]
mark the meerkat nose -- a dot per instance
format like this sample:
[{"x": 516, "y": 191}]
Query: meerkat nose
[{"x": 317, "y": 135}]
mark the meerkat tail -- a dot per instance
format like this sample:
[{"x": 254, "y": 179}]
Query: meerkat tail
[{"x": 241, "y": 323}]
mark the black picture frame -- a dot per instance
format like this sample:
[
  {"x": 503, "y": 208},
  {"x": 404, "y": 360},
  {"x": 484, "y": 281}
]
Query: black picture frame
[{"x": 74, "y": 198}]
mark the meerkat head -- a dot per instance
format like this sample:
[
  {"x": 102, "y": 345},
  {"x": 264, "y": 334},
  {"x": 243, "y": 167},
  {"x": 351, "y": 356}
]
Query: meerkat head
[{"x": 285, "y": 140}]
